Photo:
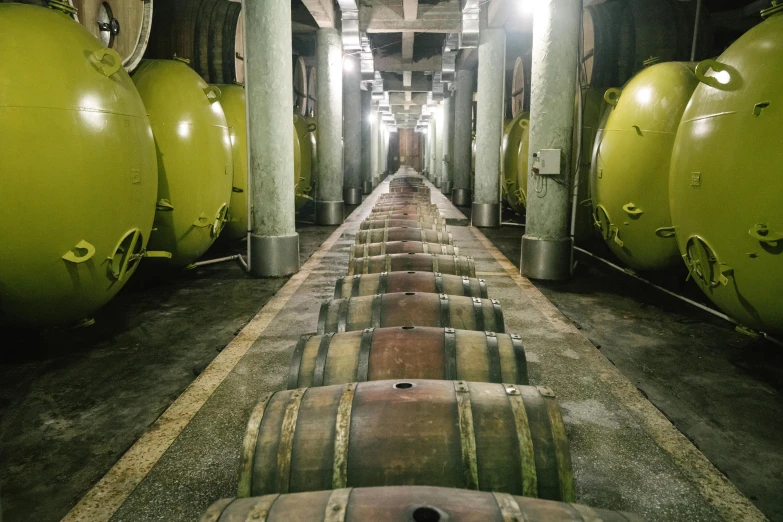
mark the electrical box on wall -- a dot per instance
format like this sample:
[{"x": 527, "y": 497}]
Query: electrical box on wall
[{"x": 548, "y": 162}]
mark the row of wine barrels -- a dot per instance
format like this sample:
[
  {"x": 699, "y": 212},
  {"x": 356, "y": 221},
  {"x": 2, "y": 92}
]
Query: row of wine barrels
[
  {"x": 411, "y": 281},
  {"x": 445, "y": 264},
  {"x": 406, "y": 503},
  {"x": 423, "y": 222},
  {"x": 436, "y": 218},
  {"x": 384, "y": 235},
  {"x": 404, "y": 189},
  {"x": 407, "y": 352},
  {"x": 424, "y": 210},
  {"x": 404, "y": 196},
  {"x": 410, "y": 309},
  {"x": 483, "y": 436},
  {"x": 402, "y": 247}
]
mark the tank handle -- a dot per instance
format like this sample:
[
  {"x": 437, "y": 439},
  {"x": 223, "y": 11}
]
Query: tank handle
[
  {"x": 705, "y": 65},
  {"x": 213, "y": 93},
  {"x": 632, "y": 210},
  {"x": 612, "y": 96},
  {"x": 107, "y": 68},
  {"x": 311, "y": 127},
  {"x": 73, "y": 257},
  {"x": 761, "y": 232},
  {"x": 665, "y": 232}
]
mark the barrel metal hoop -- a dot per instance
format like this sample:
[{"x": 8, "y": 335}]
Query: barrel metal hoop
[
  {"x": 466, "y": 287},
  {"x": 425, "y": 248},
  {"x": 445, "y": 314},
  {"x": 564, "y": 471},
  {"x": 525, "y": 440},
  {"x": 383, "y": 282},
  {"x": 450, "y": 238},
  {"x": 377, "y": 302},
  {"x": 322, "y": 315},
  {"x": 337, "y": 505},
  {"x": 450, "y": 353},
  {"x": 215, "y": 510},
  {"x": 363, "y": 366},
  {"x": 355, "y": 283},
  {"x": 342, "y": 433},
  {"x": 435, "y": 267},
  {"x": 286, "y": 445},
  {"x": 586, "y": 512},
  {"x": 509, "y": 508},
  {"x": 342, "y": 315},
  {"x": 467, "y": 435},
  {"x": 478, "y": 314},
  {"x": 296, "y": 362},
  {"x": 338, "y": 287},
  {"x": 493, "y": 357},
  {"x": 260, "y": 511},
  {"x": 438, "y": 282},
  {"x": 471, "y": 266},
  {"x": 387, "y": 263},
  {"x": 365, "y": 265},
  {"x": 365, "y": 250},
  {"x": 249, "y": 447},
  {"x": 483, "y": 288},
  {"x": 521, "y": 359},
  {"x": 500, "y": 325},
  {"x": 320, "y": 359},
  {"x": 385, "y": 235}
]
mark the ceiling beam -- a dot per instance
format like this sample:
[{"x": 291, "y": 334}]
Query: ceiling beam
[
  {"x": 407, "y": 47},
  {"x": 418, "y": 84},
  {"x": 395, "y": 63},
  {"x": 391, "y": 17},
  {"x": 410, "y": 10},
  {"x": 322, "y": 11}
]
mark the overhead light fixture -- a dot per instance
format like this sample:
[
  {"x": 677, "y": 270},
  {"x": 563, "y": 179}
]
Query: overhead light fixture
[{"x": 526, "y": 7}]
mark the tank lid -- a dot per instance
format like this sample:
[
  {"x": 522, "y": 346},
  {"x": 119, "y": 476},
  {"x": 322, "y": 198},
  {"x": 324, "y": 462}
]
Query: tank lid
[{"x": 776, "y": 8}]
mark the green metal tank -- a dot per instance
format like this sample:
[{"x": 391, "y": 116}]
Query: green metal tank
[
  {"x": 77, "y": 172},
  {"x": 232, "y": 100},
  {"x": 629, "y": 177},
  {"x": 726, "y": 183},
  {"x": 593, "y": 110},
  {"x": 516, "y": 137},
  {"x": 305, "y": 132},
  {"x": 195, "y": 166}
]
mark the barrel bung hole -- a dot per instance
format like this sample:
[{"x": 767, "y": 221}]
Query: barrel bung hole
[
  {"x": 408, "y": 327},
  {"x": 410, "y": 293},
  {"x": 426, "y": 514},
  {"x": 411, "y": 272},
  {"x": 403, "y": 385}
]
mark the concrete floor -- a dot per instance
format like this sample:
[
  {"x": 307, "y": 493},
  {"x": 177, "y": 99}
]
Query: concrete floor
[{"x": 626, "y": 454}]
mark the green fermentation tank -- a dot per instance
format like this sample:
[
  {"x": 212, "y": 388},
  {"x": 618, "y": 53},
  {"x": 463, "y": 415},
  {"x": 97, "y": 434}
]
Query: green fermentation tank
[
  {"x": 593, "y": 108},
  {"x": 726, "y": 184},
  {"x": 195, "y": 168},
  {"x": 305, "y": 133},
  {"x": 232, "y": 99},
  {"x": 516, "y": 138},
  {"x": 77, "y": 170},
  {"x": 629, "y": 178}
]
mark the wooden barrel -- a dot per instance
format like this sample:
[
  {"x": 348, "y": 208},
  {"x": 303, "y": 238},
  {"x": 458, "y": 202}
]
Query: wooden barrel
[
  {"x": 520, "y": 85},
  {"x": 312, "y": 83},
  {"x": 437, "y": 218},
  {"x": 422, "y": 222},
  {"x": 402, "y": 247},
  {"x": 406, "y": 189},
  {"x": 385, "y": 235},
  {"x": 404, "y": 196},
  {"x": 239, "y": 51},
  {"x": 300, "y": 86},
  {"x": 121, "y": 25},
  {"x": 222, "y": 42},
  {"x": 600, "y": 43},
  {"x": 411, "y": 281},
  {"x": 410, "y": 309},
  {"x": 405, "y": 504},
  {"x": 407, "y": 352},
  {"x": 484, "y": 436},
  {"x": 424, "y": 209},
  {"x": 436, "y": 263}
]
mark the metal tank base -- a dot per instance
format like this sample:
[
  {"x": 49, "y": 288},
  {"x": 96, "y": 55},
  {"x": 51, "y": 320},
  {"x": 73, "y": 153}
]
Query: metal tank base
[
  {"x": 367, "y": 187},
  {"x": 446, "y": 187},
  {"x": 548, "y": 259},
  {"x": 352, "y": 196},
  {"x": 436, "y": 183},
  {"x": 329, "y": 212},
  {"x": 486, "y": 215},
  {"x": 274, "y": 256},
  {"x": 461, "y": 197}
]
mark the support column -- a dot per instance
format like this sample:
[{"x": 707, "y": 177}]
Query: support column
[
  {"x": 375, "y": 150},
  {"x": 547, "y": 245},
  {"x": 384, "y": 150},
  {"x": 438, "y": 146},
  {"x": 463, "y": 137},
  {"x": 489, "y": 127},
  {"x": 447, "y": 183},
  {"x": 431, "y": 136},
  {"x": 366, "y": 142},
  {"x": 352, "y": 130},
  {"x": 273, "y": 249},
  {"x": 329, "y": 117}
]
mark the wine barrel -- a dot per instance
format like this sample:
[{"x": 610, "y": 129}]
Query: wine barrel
[
  {"x": 445, "y": 264},
  {"x": 485, "y": 436},
  {"x": 520, "y": 85},
  {"x": 423, "y": 223},
  {"x": 436, "y": 218},
  {"x": 385, "y": 235},
  {"x": 404, "y": 197},
  {"x": 221, "y": 61},
  {"x": 402, "y": 247},
  {"x": 425, "y": 209},
  {"x": 407, "y": 189},
  {"x": 407, "y": 352},
  {"x": 406, "y": 503},
  {"x": 425, "y": 282},
  {"x": 411, "y": 309},
  {"x": 239, "y": 52},
  {"x": 600, "y": 43},
  {"x": 120, "y": 25},
  {"x": 312, "y": 83},
  {"x": 300, "y": 85}
]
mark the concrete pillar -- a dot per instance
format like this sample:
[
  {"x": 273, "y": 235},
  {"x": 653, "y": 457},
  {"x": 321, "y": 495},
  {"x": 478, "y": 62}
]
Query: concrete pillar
[
  {"x": 489, "y": 126},
  {"x": 366, "y": 142},
  {"x": 352, "y": 130},
  {"x": 547, "y": 245},
  {"x": 438, "y": 146},
  {"x": 273, "y": 249},
  {"x": 447, "y": 183},
  {"x": 430, "y": 148},
  {"x": 384, "y": 150},
  {"x": 463, "y": 137},
  {"x": 375, "y": 150},
  {"x": 329, "y": 118}
]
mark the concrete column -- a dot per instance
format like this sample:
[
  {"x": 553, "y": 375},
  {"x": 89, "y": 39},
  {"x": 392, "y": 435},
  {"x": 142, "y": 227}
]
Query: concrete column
[
  {"x": 352, "y": 130},
  {"x": 329, "y": 118},
  {"x": 384, "y": 150},
  {"x": 430, "y": 148},
  {"x": 366, "y": 142},
  {"x": 273, "y": 248},
  {"x": 447, "y": 183},
  {"x": 438, "y": 146},
  {"x": 463, "y": 137},
  {"x": 489, "y": 126},
  {"x": 547, "y": 245},
  {"x": 375, "y": 150}
]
